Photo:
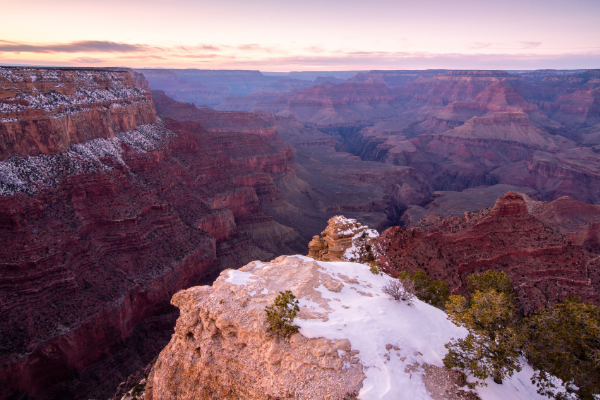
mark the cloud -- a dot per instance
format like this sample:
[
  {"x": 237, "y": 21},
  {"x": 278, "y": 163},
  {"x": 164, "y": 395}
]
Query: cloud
[
  {"x": 87, "y": 60},
  {"x": 200, "y": 47},
  {"x": 530, "y": 45},
  {"x": 83, "y": 46},
  {"x": 480, "y": 45},
  {"x": 515, "y": 55},
  {"x": 365, "y": 60},
  {"x": 251, "y": 47}
]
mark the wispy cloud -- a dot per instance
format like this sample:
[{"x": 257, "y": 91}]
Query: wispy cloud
[
  {"x": 479, "y": 45},
  {"x": 515, "y": 55},
  {"x": 87, "y": 60},
  {"x": 503, "y": 46},
  {"x": 83, "y": 46},
  {"x": 530, "y": 45}
]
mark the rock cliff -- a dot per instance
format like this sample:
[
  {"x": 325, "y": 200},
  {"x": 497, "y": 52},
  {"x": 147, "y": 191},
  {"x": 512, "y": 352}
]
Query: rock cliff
[
  {"x": 547, "y": 253},
  {"x": 354, "y": 342},
  {"x": 96, "y": 238},
  {"x": 44, "y": 111},
  {"x": 344, "y": 239}
]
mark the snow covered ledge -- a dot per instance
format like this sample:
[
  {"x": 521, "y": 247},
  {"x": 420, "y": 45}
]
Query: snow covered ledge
[{"x": 354, "y": 341}]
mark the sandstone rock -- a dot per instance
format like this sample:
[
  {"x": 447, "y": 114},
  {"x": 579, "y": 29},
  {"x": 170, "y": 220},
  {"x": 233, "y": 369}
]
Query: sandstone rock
[
  {"x": 221, "y": 348},
  {"x": 354, "y": 341},
  {"x": 344, "y": 239}
]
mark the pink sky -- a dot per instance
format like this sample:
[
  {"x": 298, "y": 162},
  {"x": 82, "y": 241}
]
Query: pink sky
[{"x": 308, "y": 35}]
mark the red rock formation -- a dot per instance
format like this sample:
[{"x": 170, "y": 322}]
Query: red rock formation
[
  {"x": 91, "y": 257},
  {"x": 544, "y": 264},
  {"x": 323, "y": 104},
  {"x": 262, "y": 124},
  {"x": 44, "y": 111}
]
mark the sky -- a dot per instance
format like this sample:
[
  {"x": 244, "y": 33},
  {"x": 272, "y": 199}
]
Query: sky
[{"x": 308, "y": 35}]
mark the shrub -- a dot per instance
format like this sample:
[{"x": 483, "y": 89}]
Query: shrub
[
  {"x": 492, "y": 346},
  {"x": 400, "y": 290},
  {"x": 496, "y": 280},
  {"x": 280, "y": 316},
  {"x": 435, "y": 293},
  {"x": 374, "y": 268},
  {"x": 564, "y": 341}
]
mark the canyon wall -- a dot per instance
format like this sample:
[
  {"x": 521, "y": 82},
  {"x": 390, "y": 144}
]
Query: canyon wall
[
  {"x": 548, "y": 249},
  {"x": 44, "y": 111},
  {"x": 459, "y": 129},
  {"x": 99, "y": 231}
]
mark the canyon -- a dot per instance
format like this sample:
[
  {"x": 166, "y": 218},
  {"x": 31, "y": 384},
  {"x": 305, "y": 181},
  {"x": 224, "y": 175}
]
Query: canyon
[
  {"x": 119, "y": 188},
  {"x": 459, "y": 129}
]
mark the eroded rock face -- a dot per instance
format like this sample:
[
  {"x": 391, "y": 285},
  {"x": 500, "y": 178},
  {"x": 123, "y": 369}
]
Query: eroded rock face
[
  {"x": 95, "y": 240},
  {"x": 45, "y": 111},
  {"x": 344, "y": 239},
  {"x": 222, "y": 350},
  {"x": 548, "y": 249}
]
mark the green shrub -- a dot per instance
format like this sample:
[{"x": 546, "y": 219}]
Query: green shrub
[
  {"x": 564, "y": 341},
  {"x": 375, "y": 270},
  {"x": 492, "y": 346},
  {"x": 431, "y": 292},
  {"x": 496, "y": 280},
  {"x": 280, "y": 316}
]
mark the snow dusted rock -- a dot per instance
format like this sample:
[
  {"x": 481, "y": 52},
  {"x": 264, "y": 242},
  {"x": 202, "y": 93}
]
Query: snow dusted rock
[
  {"x": 344, "y": 239},
  {"x": 354, "y": 341},
  {"x": 46, "y": 110}
]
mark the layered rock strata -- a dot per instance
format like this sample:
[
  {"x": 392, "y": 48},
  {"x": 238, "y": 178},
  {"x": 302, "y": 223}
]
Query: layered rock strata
[
  {"x": 97, "y": 238},
  {"x": 44, "y": 111},
  {"x": 460, "y": 129},
  {"x": 547, "y": 254}
]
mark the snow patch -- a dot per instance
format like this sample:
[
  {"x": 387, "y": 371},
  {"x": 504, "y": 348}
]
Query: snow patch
[
  {"x": 239, "y": 277},
  {"x": 32, "y": 174},
  {"x": 376, "y": 326}
]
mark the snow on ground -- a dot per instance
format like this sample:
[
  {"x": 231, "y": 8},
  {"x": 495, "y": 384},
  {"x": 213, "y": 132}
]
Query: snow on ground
[
  {"x": 391, "y": 336},
  {"x": 371, "y": 320}
]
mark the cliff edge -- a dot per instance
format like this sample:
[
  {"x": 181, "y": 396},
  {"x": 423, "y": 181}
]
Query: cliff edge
[{"x": 354, "y": 341}]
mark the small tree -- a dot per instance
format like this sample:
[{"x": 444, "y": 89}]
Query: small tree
[
  {"x": 496, "y": 280},
  {"x": 400, "y": 290},
  {"x": 492, "y": 345},
  {"x": 564, "y": 341},
  {"x": 435, "y": 293},
  {"x": 280, "y": 316}
]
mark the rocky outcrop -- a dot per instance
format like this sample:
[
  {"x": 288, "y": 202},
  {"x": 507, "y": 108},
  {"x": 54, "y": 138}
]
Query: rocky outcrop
[
  {"x": 344, "y": 239},
  {"x": 221, "y": 347},
  {"x": 543, "y": 251},
  {"x": 44, "y": 111},
  {"x": 353, "y": 340},
  {"x": 261, "y": 124}
]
